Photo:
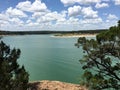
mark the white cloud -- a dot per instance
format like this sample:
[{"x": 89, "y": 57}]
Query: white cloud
[
  {"x": 35, "y": 15},
  {"x": 70, "y": 2},
  {"x": 36, "y": 6},
  {"x": 92, "y": 21},
  {"x": 25, "y": 6},
  {"x": 32, "y": 24},
  {"x": 105, "y": 0},
  {"x": 80, "y": 24},
  {"x": 38, "y": 14},
  {"x": 74, "y": 11},
  {"x": 4, "y": 17},
  {"x": 88, "y": 12},
  {"x": 3, "y": 20},
  {"x": 51, "y": 17},
  {"x": 16, "y": 21},
  {"x": 45, "y": 19},
  {"x": 88, "y": 1},
  {"x": 61, "y": 21},
  {"x": 28, "y": 21},
  {"x": 73, "y": 20},
  {"x": 15, "y": 13},
  {"x": 117, "y": 2},
  {"x": 98, "y": 5},
  {"x": 37, "y": 9},
  {"x": 112, "y": 16}
]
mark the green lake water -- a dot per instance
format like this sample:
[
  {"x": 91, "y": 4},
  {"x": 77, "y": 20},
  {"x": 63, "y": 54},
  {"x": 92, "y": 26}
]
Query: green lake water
[{"x": 48, "y": 58}]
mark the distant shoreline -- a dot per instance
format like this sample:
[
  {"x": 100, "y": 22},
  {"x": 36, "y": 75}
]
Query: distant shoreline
[
  {"x": 73, "y": 35},
  {"x": 51, "y": 32}
]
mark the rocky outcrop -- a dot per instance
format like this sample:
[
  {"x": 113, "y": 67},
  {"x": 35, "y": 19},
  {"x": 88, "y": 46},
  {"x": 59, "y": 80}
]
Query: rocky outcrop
[{"x": 54, "y": 85}]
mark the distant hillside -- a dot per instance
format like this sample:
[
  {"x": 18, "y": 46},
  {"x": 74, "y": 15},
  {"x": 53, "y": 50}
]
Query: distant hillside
[{"x": 49, "y": 32}]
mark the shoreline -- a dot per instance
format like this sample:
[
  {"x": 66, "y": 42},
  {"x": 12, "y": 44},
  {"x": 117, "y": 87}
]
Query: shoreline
[{"x": 72, "y": 35}]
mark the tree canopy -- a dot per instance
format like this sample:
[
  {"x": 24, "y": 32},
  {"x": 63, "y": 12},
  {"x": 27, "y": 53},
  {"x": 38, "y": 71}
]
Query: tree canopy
[
  {"x": 12, "y": 76},
  {"x": 101, "y": 62}
]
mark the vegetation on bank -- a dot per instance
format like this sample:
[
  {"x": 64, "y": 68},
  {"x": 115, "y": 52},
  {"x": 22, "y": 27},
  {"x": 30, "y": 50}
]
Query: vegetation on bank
[
  {"x": 75, "y": 35},
  {"x": 49, "y": 32},
  {"x": 101, "y": 62},
  {"x": 12, "y": 76}
]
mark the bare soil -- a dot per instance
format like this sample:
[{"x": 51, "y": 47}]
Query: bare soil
[{"x": 54, "y": 85}]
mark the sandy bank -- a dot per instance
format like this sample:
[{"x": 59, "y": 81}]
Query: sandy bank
[
  {"x": 71, "y": 36},
  {"x": 54, "y": 85}
]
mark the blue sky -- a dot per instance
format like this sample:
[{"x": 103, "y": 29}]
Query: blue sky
[{"x": 65, "y": 15}]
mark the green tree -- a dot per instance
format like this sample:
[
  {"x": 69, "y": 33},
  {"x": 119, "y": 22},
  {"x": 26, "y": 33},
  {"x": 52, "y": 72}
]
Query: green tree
[
  {"x": 12, "y": 76},
  {"x": 101, "y": 62},
  {"x": 119, "y": 23}
]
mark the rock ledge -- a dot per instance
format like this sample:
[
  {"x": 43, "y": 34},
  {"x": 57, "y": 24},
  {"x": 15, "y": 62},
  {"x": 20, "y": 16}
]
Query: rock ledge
[{"x": 54, "y": 85}]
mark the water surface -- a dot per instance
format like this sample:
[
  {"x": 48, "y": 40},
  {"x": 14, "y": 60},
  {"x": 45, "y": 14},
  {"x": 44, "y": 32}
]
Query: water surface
[{"x": 48, "y": 58}]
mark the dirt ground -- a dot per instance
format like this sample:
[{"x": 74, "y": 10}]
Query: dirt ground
[{"x": 54, "y": 85}]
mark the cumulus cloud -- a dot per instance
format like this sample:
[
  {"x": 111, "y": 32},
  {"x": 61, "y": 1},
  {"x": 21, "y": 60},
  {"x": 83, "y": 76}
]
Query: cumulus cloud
[
  {"x": 88, "y": 1},
  {"x": 14, "y": 16},
  {"x": 32, "y": 24},
  {"x": 16, "y": 21},
  {"x": 51, "y": 16},
  {"x": 4, "y": 17},
  {"x": 25, "y": 6},
  {"x": 74, "y": 11},
  {"x": 112, "y": 16},
  {"x": 101, "y": 5},
  {"x": 88, "y": 12},
  {"x": 36, "y": 15},
  {"x": 36, "y": 6},
  {"x": 15, "y": 13},
  {"x": 92, "y": 21},
  {"x": 3, "y": 20},
  {"x": 70, "y": 2},
  {"x": 73, "y": 20},
  {"x": 117, "y": 2},
  {"x": 45, "y": 19},
  {"x": 106, "y": 0}
]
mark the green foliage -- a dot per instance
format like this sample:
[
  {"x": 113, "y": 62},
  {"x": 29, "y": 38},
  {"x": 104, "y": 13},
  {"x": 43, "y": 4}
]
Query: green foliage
[
  {"x": 101, "y": 61},
  {"x": 119, "y": 23},
  {"x": 12, "y": 76}
]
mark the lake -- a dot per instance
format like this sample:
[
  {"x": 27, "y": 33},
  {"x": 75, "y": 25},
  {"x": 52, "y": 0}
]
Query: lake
[{"x": 48, "y": 58}]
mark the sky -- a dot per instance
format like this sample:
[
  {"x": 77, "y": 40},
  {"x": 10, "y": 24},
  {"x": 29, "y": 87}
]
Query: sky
[{"x": 37, "y": 15}]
